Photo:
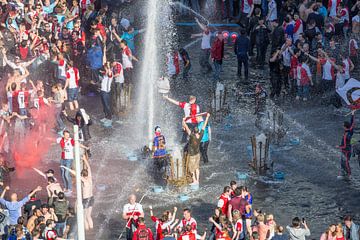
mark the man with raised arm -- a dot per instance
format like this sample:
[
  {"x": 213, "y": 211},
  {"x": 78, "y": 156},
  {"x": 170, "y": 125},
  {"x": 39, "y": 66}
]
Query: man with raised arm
[
  {"x": 194, "y": 149},
  {"x": 191, "y": 109},
  {"x": 14, "y": 206}
]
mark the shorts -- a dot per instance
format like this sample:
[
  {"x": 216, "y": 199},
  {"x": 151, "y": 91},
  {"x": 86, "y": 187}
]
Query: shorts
[
  {"x": 72, "y": 94},
  {"x": 194, "y": 162},
  {"x": 88, "y": 202}
]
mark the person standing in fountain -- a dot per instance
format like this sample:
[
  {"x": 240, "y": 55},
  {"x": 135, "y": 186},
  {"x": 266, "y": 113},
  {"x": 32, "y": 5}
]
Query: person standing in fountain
[
  {"x": 345, "y": 146},
  {"x": 187, "y": 64},
  {"x": 205, "y": 47},
  {"x": 194, "y": 149},
  {"x": 205, "y": 141},
  {"x": 217, "y": 55},
  {"x": 191, "y": 109}
]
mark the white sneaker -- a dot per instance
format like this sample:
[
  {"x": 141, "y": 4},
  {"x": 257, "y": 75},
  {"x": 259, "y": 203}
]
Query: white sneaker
[{"x": 103, "y": 120}]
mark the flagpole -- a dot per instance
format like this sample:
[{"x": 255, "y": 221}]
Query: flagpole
[{"x": 79, "y": 205}]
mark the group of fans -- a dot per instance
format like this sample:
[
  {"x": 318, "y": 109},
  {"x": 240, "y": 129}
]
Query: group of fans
[
  {"x": 234, "y": 218},
  {"x": 54, "y": 50},
  {"x": 51, "y": 51}
]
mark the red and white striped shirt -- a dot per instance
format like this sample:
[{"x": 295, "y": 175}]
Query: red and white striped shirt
[
  {"x": 118, "y": 72},
  {"x": 67, "y": 147},
  {"x": 73, "y": 75},
  {"x": 190, "y": 111}
]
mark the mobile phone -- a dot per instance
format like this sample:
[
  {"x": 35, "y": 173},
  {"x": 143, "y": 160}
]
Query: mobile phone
[{"x": 303, "y": 220}]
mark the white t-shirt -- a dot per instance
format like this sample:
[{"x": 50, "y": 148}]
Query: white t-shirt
[
  {"x": 127, "y": 58},
  {"x": 205, "y": 41},
  {"x": 346, "y": 65},
  {"x": 327, "y": 71},
  {"x": 340, "y": 80},
  {"x": 106, "y": 83}
]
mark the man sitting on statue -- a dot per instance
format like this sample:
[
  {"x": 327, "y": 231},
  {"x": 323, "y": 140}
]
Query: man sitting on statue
[{"x": 159, "y": 149}]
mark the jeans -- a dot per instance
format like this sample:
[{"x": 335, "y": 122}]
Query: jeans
[
  {"x": 204, "y": 60},
  {"x": 60, "y": 228},
  {"x": 59, "y": 121},
  {"x": 65, "y": 174},
  {"x": 117, "y": 99},
  {"x": 217, "y": 70},
  {"x": 260, "y": 53},
  {"x": 345, "y": 165},
  {"x": 275, "y": 80},
  {"x": 243, "y": 60},
  {"x": 303, "y": 91},
  {"x": 203, "y": 150},
  {"x": 22, "y": 111},
  {"x": 106, "y": 102},
  {"x": 186, "y": 71}
]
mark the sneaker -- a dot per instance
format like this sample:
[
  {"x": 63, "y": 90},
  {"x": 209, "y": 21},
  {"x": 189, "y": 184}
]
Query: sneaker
[
  {"x": 103, "y": 120},
  {"x": 297, "y": 98},
  {"x": 68, "y": 193},
  {"x": 305, "y": 99}
]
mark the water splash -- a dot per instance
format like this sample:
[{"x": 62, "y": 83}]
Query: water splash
[
  {"x": 149, "y": 70},
  {"x": 181, "y": 5}
]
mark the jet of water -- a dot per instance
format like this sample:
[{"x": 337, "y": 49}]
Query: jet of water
[{"x": 181, "y": 5}]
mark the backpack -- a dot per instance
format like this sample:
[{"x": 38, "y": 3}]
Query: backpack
[{"x": 143, "y": 233}]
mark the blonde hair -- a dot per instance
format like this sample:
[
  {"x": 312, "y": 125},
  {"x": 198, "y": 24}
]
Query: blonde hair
[
  {"x": 236, "y": 215},
  {"x": 260, "y": 218},
  {"x": 269, "y": 217}
]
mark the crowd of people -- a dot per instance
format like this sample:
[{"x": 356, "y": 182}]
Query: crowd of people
[
  {"x": 54, "y": 50},
  {"x": 51, "y": 52},
  {"x": 234, "y": 218}
]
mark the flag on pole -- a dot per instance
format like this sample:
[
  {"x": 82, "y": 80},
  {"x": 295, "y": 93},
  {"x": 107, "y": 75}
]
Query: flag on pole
[{"x": 350, "y": 92}]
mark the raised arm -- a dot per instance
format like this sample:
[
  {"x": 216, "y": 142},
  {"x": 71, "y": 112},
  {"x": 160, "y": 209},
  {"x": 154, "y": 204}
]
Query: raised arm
[
  {"x": 185, "y": 126},
  {"x": 171, "y": 100},
  {"x": 312, "y": 57},
  {"x": 351, "y": 65},
  {"x": 116, "y": 35},
  {"x": 28, "y": 63},
  {"x": 202, "y": 26},
  {"x": 38, "y": 189},
  {"x": 7, "y": 188},
  {"x": 215, "y": 223},
  {"x": 86, "y": 162},
  {"x": 206, "y": 121}
]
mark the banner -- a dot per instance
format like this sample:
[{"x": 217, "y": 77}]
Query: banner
[{"x": 350, "y": 92}]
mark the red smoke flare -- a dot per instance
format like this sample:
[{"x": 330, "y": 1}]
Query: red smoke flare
[{"x": 29, "y": 150}]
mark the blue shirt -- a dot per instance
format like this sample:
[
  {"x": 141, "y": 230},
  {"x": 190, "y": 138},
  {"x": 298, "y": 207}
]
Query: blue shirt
[
  {"x": 322, "y": 11},
  {"x": 159, "y": 144},
  {"x": 129, "y": 38},
  {"x": 14, "y": 208},
  {"x": 49, "y": 9},
  {"x": 206, "y": 136}
]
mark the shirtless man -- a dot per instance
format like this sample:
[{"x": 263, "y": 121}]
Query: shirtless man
[
  {"x": 53, "y": 188},
  {"x": 16, "y": 78},
  {"x": 31, "y": 222},
  {"x": 87, "y": 193}
]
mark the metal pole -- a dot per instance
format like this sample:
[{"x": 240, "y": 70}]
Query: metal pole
[{"x": 79, "y": 205}]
